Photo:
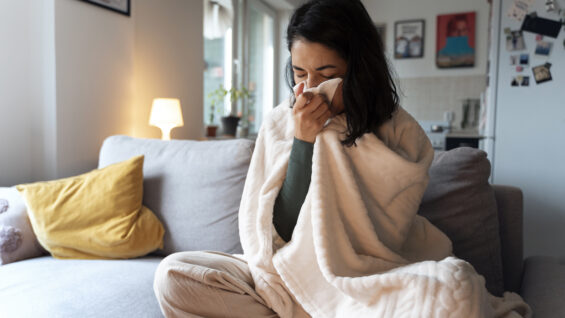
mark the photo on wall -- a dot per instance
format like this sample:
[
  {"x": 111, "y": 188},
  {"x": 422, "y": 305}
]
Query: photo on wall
[
  {"x": 455, "y": 40},
  {"x": 409, "y": 39}
]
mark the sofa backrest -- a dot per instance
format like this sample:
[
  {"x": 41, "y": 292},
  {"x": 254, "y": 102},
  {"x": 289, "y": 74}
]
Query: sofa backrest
[
  {"x": 460, "y": 202},
  {"x": 194, "y": 188}
]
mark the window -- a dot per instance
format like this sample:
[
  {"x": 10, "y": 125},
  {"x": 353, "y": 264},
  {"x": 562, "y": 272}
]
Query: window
[
  {"x": 239, "y": 52},
  {"x": 218, "y": 33},
  {"x": 260, "y": 63}
]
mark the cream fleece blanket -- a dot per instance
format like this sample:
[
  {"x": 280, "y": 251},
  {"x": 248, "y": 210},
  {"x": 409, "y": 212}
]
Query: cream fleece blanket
[{"x": 358, "y": 249}]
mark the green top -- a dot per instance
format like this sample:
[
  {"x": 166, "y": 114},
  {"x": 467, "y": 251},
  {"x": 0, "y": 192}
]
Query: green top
[{"x": 294, "y": 189}]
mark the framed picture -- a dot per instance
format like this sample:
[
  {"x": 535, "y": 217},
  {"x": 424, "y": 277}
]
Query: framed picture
[
  {"x": 455, "y": 46},
  {"x": 120, "y": 6},
  {"x": 409, "y": 39}
]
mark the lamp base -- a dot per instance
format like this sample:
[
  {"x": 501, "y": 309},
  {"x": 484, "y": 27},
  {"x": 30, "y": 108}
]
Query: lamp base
[{"x": 166, "y": 133}]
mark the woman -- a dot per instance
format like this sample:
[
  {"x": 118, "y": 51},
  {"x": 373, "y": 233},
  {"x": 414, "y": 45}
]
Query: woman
[{"x": 358, "y": 149}]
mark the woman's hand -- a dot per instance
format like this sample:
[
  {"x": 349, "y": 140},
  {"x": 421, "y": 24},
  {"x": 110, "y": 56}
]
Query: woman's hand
[{"x": 310, "y": 113}]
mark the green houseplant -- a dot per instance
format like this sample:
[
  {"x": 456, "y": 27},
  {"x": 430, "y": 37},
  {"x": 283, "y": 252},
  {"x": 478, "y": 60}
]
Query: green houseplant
[{"x": 217, "y": 97}]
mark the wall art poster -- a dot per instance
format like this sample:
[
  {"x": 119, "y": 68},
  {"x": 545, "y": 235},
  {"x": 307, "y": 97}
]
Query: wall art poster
[
  {"x": 409, "y": 39},
  {"x": 455, "y": 46}
]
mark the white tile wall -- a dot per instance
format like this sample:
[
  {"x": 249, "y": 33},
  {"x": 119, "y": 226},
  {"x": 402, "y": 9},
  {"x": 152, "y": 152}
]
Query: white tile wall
[{"x": 427, "y": 98}]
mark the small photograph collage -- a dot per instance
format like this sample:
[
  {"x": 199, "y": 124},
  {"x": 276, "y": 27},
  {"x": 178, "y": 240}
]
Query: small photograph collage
[
  {"x": 520, "y": 59},
  {"x": 520, "y": 62}
]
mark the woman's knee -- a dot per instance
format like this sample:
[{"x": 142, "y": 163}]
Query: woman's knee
[{"x": 169, "y": 272}]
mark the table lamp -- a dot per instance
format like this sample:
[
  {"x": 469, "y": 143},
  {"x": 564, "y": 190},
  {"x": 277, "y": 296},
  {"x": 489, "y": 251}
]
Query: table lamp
[{"x": 166, "y": 114}]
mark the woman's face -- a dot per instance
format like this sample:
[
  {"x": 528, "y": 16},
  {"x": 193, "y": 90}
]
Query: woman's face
[{"x": 315, "y": 63}]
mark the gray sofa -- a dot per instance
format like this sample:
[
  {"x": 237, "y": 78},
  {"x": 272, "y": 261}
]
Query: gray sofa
[{"x": 194, "y": 187}]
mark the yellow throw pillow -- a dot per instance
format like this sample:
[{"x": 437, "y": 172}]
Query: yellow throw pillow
[{"x": 94, "y": 215}]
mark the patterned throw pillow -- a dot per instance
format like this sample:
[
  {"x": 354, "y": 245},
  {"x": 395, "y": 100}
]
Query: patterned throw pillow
[{"x": 17, "y": 240}]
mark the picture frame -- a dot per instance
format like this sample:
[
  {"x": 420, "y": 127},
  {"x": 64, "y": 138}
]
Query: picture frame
[
  {"x": 119, "y": 6},
  {"x": 455, "y": 40},
  {"x": 409, "y": 39}
]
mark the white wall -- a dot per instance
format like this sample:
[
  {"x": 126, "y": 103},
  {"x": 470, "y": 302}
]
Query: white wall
[
  {"x": 15, "y": 91},
  {"x": 390, "y": 11},
  {"x": 94, "y": 81},
  {"x": 24, "y": 79},
  {"x": 169, "y": 62},
  {"x": 45, "y": 118}
]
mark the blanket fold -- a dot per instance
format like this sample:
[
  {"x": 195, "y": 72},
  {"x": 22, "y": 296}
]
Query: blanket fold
[{"x": 358, "y": 247}]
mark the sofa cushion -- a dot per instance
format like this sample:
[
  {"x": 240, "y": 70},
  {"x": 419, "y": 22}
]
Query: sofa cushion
[
  {"x": 194, "y": 188},
  {"x": 17, "y": 240},
  {"x": 94, "y": 215},
  {"x": 47, "y": 287},
  {"x": 461, "y": 203}
]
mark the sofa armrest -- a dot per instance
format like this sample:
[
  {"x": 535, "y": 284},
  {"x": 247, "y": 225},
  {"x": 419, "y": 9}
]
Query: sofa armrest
[
  {"x": 509, "y": 201},
  {"x": 544, "y": 285}
]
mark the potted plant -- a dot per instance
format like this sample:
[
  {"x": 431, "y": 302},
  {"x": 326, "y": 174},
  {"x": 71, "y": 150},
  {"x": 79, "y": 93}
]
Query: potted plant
[
  {"x": 216, "y": 97},
  {"x": 230, "y": 122}
]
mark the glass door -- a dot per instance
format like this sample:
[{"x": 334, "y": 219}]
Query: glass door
[
  {"x": 218, "y": 57},
  {"x": 259, "y": 64}
]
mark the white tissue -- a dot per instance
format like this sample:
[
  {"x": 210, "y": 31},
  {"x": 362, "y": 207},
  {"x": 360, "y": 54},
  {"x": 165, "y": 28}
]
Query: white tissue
[{"x": 326, "y": 88}]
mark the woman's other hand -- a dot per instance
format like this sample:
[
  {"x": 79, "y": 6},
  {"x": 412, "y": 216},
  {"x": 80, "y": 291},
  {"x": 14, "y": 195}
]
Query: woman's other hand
[{"x": 310, "y": 113}]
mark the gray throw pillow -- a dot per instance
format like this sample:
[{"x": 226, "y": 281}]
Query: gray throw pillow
[
  {"x": 194, "y": 188},
  {"x": 17, "y": 240},
  {"x": 461, "y": 203}
]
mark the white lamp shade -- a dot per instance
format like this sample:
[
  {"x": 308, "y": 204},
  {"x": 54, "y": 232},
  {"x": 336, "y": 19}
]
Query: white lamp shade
[{"x": 166, "y": 112}]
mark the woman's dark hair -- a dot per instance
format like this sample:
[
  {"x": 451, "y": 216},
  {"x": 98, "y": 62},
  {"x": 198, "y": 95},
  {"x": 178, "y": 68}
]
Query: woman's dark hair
[{"x": 369, "y": 93}]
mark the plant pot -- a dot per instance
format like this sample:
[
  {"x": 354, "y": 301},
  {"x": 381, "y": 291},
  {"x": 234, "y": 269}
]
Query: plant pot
[
  {"x": 229, "y": 125},
  {"x": 211, "y": 131}
]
